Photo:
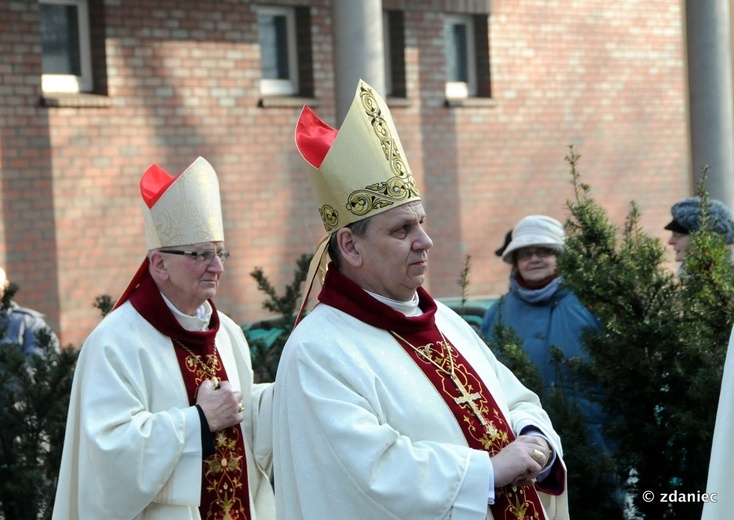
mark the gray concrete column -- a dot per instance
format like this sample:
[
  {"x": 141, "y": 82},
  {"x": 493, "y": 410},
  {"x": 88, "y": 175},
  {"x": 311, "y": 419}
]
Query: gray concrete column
[
  {"x": 710, "y": 95},
  {"x": 358, "y": 50}
]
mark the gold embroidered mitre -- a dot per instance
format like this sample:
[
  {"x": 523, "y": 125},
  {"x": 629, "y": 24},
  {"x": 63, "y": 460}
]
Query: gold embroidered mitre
[
  {"x": 360, "y": 170},
  {"x": 178, "y": 211},
  {"x": 184, "y": 209}
]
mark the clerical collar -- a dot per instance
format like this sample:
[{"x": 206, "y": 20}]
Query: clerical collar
[
  {"x": 340, "y": 292},
  {"x": 198, "y": 322},
  {"x": 408, "y": 308}
]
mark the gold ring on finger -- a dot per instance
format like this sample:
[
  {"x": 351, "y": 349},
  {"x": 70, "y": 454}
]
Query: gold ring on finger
[{"x": 537, "y": 455}]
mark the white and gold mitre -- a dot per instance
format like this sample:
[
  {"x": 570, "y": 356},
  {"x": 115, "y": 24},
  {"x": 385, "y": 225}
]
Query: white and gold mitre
[
  {"x": 184, "y": 209},
  {"x": 359, "y": 170}
]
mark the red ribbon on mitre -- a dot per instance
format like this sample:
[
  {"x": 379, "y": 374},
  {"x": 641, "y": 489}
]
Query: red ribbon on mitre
[
  {"x": 153, "y": 184},
  {"x": 313, "y": 137}
]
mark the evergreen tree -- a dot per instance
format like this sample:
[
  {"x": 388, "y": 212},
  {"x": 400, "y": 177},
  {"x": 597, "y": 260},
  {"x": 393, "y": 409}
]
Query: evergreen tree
[
  {"x": 34, "y": 398},
  {"x": 590, "y": 476},
  {"x": 267, "y": 341},
  {"x": 660, "y": 351},
  {"x": 104, "y": 304}
]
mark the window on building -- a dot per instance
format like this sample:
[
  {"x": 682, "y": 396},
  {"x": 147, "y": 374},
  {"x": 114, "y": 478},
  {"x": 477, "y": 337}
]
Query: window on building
[
  {"x": 393, "y": 29},
  {"x": 278, "y": 51},
  {"x": 66, "y": 63},
  {"x": 461, "y": 74}
]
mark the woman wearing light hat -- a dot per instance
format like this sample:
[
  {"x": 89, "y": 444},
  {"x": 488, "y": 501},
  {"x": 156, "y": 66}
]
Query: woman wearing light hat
[{"x": 541, "y": 312}]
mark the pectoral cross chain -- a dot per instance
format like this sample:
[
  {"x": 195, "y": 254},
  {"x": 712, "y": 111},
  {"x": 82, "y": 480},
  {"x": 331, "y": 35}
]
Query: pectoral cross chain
[{"x": 465, "y": 398}]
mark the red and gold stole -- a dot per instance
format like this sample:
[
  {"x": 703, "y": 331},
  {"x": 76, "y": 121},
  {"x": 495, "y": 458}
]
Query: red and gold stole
[
  {"x": 458, "y": 383},
  {"x": 225, "y": 494}
]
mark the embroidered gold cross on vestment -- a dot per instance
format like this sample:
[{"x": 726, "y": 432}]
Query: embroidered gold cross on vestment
[{"x": 468, "y": 399}]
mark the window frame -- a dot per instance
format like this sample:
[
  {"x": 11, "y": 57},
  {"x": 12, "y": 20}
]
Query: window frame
[
  {"x": 281, "y": 87},
  {"x": 71, "y": 83},
  {"x": 393, "y": 31},
  {"x": 468, "y": 88},
  {"x": 387, "y": 52}
]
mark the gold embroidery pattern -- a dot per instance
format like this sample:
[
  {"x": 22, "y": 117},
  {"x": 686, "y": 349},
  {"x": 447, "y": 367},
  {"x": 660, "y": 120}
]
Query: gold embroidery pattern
[
  {"x": 400, "y": 187},
  {"x": 223, "y": 475},
  {"x": 223, "y": 471},
  {"x": 329, "y": 216},
  {"x": 491, "y": 430},
  {"x": 519, "y": 508}
]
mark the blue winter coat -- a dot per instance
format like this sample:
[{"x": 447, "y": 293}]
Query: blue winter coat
[{"x": 557, "y": 321}]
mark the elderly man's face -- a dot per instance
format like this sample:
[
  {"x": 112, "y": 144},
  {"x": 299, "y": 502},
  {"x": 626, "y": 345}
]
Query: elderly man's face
[
  {"x": 395, "y": 252},
  {"x": 191, "y": 279}
]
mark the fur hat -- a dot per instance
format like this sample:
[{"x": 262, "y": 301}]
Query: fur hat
[
  {"x": 687, "y": 218},
  {"x": 535, "y": 230}
]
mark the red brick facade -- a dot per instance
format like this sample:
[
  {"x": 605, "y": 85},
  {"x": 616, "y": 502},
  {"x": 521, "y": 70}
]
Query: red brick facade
[{"x": 181, "y": 79}]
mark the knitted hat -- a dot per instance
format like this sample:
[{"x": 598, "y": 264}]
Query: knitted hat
[
  {"x": 178, "y": 210},
  {"x": 535, "y": 231},
  {"x": 687, "y": 218}
]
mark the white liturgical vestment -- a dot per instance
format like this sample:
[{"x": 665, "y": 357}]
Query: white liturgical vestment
[
  {"x": 719, "y": 503},
  {"x": 138, "y": 451},
  {"x": 361, "y": 433}
]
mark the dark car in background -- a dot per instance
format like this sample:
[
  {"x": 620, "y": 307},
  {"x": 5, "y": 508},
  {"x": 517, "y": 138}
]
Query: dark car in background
[{"x": 472, "y": 309}]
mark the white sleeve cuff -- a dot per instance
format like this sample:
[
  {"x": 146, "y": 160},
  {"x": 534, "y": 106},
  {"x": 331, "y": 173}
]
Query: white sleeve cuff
[
  {"x": 490, "y": 493},
  {"x": 548, "y": 465},
  {"x": 470, "y": 502}
]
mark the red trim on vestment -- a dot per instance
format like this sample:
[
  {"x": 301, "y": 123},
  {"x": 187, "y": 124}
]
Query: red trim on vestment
[
  {"x": 142, "y": 270},
  {"x": 511, "y": 503},
  {"x": 225, "y": 493}
]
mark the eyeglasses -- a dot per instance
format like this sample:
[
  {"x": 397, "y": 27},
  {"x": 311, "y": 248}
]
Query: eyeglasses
[
  {"x": 526, "y": 253},
  {"x": 205, "y": 256}
]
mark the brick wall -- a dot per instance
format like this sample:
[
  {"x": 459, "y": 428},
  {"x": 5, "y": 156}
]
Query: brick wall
[
  {"x": 181, "y": 80},
  {"x": 27, "y": 226}
]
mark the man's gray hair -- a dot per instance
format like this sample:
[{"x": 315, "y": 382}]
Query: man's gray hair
[{"x": 359, "y": 229}]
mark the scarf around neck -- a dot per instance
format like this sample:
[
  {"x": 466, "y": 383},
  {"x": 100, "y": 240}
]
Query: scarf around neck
[{"x": 541, "y": 295}]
